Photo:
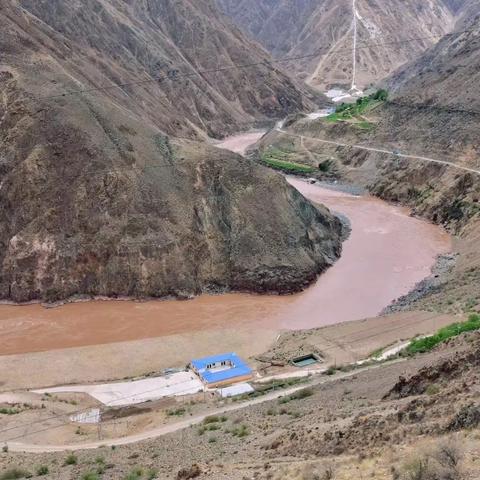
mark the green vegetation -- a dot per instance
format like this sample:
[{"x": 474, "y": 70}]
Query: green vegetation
[
  {"x": 71, "y": 459},
  {"x": 42, "y": 470},
  {"x": 422, "y": 345},
  {"x": 90, "y": 476},
  {"x": 352, "y": 112},
  {"x": 301, "y": 394},
  {"x": 177, "y": 412},
  {"x": 15, "y": 473},
  {"x": 211, "y": 419},
  {"x": 9, "y": 411},
  {"x": 432, "y": 389},
  {"x": 135, "y": 474},
  {"x": 240, "y": 432},
  {"x": 271, "y": 158},
  {"x": 152, "y": 473}
]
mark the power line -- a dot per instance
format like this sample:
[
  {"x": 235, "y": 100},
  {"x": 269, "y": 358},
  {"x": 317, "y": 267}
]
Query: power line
[
  {"x": 383, "y": 151},
  {"x": 175, "y": 75},
  {"x": 86, "y": 409}
]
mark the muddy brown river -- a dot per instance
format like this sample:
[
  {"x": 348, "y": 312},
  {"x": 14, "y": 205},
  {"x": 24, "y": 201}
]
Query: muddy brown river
[{"x": 387, "y": 253}]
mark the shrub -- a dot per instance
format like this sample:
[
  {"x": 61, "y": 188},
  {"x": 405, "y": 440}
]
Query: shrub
[
  {"x": 15, "y": 473},
  {"x": 152, "y": 474},
  {"x": 432, "y": 389},
  {"x": 443, "y": 462},
  {"x": 42, "y": 470},
  {"x": 211, "y": 419},
  {"x": 381, "y": 95},
  {"x": 304, "y": 393},
  {"x": 71, "y": 459},
  {"x": 90, "y": 476},
  {"x": 240, "y": 431},
  {"x": 9, "y": 411},
  {"x": 135, "y": 474},
  {"x": 177, "y": 412}
]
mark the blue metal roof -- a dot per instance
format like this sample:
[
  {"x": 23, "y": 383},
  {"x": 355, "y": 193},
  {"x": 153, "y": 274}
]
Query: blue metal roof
[{"x": 239, "y": 369}]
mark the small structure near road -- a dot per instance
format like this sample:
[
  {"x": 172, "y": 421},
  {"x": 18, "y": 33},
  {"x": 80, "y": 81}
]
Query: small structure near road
[
  {"x": 221, "y": 370},
  {"x": 235, "y": 390},
  {"x": 306, "y": 360},
  {"x": 91, "y": 416},
  {"x": 121, "y": 394}
]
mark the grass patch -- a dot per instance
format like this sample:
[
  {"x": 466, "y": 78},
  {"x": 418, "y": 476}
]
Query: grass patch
[
  {"x": 423, "y": 345},
  {"x": 15, "y": 473},
  {"x": 354, "y": 111},
  {"x": 135, "y": 474},
  {"x": 286, "y": 166},
  {"x": 42, "y": 470},
  {"x": 177, "y": 412},
  {"x": 9, "y": 411},
  {"x": 71, "y": 459},
  {"x": 211, "y": 419},
  {"x": 90, "y": 476},
  {"x": 376, "y": 353},
  {"x": 301, "y": 394},
  {"x": 240, "y": 432}
]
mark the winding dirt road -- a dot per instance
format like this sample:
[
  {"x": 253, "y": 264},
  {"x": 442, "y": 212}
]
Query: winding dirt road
[{"x": 380, "y": 150}]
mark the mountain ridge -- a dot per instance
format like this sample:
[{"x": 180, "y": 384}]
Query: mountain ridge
[{"x": 105, "y": 193}]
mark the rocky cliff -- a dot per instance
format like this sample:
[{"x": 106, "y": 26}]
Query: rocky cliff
[{"x": 96, "y": 195}]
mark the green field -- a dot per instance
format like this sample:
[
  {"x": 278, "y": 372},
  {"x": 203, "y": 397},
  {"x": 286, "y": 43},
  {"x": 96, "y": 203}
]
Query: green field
[
  {"x": 353, "y": 112},
  {"x": 426, "y": 344},
  {"x": 278, "y": 159}
]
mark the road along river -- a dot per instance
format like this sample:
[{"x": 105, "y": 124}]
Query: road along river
[{"x": 387, "y": 253}]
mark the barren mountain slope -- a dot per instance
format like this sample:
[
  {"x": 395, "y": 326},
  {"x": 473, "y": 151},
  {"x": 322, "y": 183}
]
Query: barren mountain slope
[
  {"x": 433, "y": 111},
  {"x": 96, "y": 198},
  {"x": 99, "y": 43},
  {"x": 305, "y": 27}
]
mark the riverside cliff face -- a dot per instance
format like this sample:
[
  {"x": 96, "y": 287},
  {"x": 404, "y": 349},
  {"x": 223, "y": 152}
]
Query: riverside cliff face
[{"x": 96, "y": 198}]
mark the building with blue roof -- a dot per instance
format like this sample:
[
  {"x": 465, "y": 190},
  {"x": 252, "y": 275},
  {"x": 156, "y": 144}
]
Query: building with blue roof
[{"x": 221, "y": 370}]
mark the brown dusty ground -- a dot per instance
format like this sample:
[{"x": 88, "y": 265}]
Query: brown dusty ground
[
  {"x": 341, "y": 343},
  {"x": 355, "y": 426}
]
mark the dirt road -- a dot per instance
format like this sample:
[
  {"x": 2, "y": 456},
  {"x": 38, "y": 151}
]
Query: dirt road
[
  {"x": 17, "y": 446},
  {"x": 381, "y": 150}
]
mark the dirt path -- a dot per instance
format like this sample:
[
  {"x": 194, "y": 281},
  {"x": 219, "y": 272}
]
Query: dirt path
[
  {"x": 354, "y": 53},
  {"x": 15, "y": 446},
  {"x": 380, "y": 150}
]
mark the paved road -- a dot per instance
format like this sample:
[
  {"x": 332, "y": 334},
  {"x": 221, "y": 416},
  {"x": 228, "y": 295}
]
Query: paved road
[
  {"x": 380, "y": 150},
  {"x": 174, "y": 427}
]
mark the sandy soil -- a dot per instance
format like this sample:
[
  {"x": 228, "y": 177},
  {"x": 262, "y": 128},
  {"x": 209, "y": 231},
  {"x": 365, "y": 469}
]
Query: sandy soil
[
  {"x": 240, "y": 143},
  {"x": 346, "y": 342}
]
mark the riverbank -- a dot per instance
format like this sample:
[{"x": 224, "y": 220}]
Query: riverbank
[{"x": 387, "y": 253}]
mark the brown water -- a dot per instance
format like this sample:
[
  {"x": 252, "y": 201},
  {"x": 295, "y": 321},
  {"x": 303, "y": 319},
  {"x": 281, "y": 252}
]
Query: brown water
[{"x": 387, "y": 253}]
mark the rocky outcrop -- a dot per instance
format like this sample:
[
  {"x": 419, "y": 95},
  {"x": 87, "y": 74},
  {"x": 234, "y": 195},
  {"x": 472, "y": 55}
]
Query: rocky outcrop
[{"x": 97, "y": 198}]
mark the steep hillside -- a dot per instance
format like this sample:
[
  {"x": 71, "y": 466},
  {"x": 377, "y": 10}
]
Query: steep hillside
[
  {"x": 433, "y": 111},
  {"x": 98, "y": 43},
  {"x": 95, "y": 196},
  {"x": 304, "y": 27}
]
